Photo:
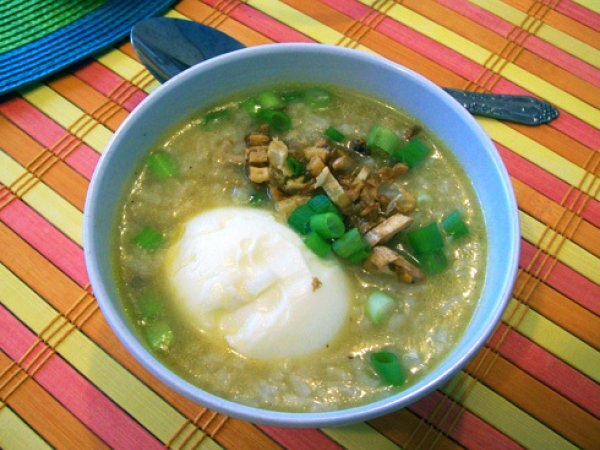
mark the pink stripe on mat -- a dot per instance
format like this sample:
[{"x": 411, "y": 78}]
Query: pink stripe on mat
[
  {"x": 564, "y": 279},
  {"x": 580, "y": 13},
  {"x": 55, "y": 246},
  {"x": 550, "y": 370},
  {"x": 264, "y": 24},
  {"x": 76, "y": 393},
  {"x": 299, "y": 438},
  {"x": 106, "y": 81},
  {"x": 532, "y": 43},
  {"x": 47, "y": 132},
  {"x": 470, "y": 431}
]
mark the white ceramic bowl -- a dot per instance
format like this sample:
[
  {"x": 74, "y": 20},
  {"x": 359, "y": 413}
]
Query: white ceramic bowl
[{"x": 257, "y": 67}]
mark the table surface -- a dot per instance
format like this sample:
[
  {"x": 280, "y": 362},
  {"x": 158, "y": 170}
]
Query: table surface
[{"x": 66, "y": 382}]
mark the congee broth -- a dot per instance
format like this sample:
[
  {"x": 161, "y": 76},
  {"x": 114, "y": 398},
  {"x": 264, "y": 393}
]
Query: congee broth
[{"x": 301, "y": 248}]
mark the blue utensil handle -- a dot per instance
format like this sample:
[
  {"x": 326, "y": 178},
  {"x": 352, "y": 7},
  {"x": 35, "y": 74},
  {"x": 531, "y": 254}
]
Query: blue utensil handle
[{"x": 513, "y": 108}]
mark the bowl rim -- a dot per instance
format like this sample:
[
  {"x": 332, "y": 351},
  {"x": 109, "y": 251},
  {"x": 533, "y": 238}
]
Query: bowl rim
[{"x": 272, "y": 417}]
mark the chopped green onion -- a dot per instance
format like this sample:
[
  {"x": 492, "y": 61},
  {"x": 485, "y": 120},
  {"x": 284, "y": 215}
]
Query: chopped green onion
[
  {"x": 359, "y": 256},
  {"x": 295, "y": 166},
  {"x": 159, "y": 335},
  {"x": 379, "y": 305},
  {"x": 299, "y": 220},
  {"x": 327, "y": 225},
  {"x": 321, "y": 204},
  {"x": 251, "y": 106},
  {"x": 292, "y": 96},
  {"x": 334, "y": 134},
  {"x": 454, "y": 226},
  {"x": 433, "y": 262},
  {"x": 149, "y": 239},
  {"x": 161, "y": 165},
  {"x": 350, "y": 243},
  {"x": 317, "y": 244},
  {"x": 412, "y": 153},
  {"x": 213, "y": 116},
  {"x": 269, "y": 100},
  {"x": 149, "y": 305},
  {"x": 257, "y": 198},
  {"x": 387, "y": 365},
  {"x": 317, "y": 98},
  {"x": 383, "y": 139},
  {"x": 278, "y": 120},
  {"x": 426, "y": 239}
]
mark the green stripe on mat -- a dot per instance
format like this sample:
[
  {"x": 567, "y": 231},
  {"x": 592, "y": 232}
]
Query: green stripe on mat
[
  {"x": 359, "y": 436},
  {"x": 25, "y": 28},
  {"x": 16, "y": 434},
  {"x": 126, "y": 390},
  {"x": 503, "y": 415}
]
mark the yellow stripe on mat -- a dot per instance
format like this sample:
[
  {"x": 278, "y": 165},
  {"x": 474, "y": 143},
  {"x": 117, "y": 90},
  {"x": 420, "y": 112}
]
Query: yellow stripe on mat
[
  {"x": 359, "y": 436},
  {"x": 570, "y": 253},
  {"x": 480, "y": 55},
  {"x": 126, "y": 67},
  {"x": 553, "y": 338},
  {"x": 44, "y": 200},
  {"x": 546, "y": 32},
  {"x": 143, "y": 404},
  {"x": 16, "y": 434},
  {"x": 506, "y": 417},
  {"x": 67, "y": 114},
  {"x": 537, "y": 153}
]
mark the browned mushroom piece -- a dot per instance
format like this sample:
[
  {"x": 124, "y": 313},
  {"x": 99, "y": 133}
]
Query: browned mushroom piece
[
  {"x": 257, "y": 138},
  {"x": 315, "y": 166},
  {"x": 387, "y": 174},
  {"x": 384, "y": 259},
  {"x": 343, "y": 164},
  {"x": 404, "y": 202},
  {"x": 333, "y": 189},
  {"x": 401, "y": 264},
  {"x": 289, "y": 204},
  {"x": 275, "y": 193},
  {"x": 380, "y": 258},
  {"x": 321, "y": 152},
  {"x": 258, "y": 174},
  {"x": 297, "y": 186},
  {"x": 257, "y": 155},
  {"x": 388, "y": 228}
]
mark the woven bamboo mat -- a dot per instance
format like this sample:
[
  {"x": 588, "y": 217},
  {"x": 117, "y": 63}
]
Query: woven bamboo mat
[{"x": 66, "y": 382}]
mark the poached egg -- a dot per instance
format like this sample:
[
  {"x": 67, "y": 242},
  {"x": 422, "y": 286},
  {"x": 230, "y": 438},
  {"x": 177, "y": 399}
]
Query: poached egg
[{"x": 240, "y": 275}]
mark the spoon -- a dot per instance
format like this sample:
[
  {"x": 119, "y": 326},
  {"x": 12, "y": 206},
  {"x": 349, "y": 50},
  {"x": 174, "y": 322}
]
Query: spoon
[{"x": 169, "y": 46}]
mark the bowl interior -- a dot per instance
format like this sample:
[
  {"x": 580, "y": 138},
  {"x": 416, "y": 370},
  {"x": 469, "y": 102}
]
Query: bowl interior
[{"x": 257, "y": 67}]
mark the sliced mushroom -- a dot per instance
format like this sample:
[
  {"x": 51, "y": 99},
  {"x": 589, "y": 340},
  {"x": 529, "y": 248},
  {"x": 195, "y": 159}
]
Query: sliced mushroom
[
  {"x": 404, "y": 202},
  {"x": 380, "y": 258},
  {"x": 277, "y": 154},
  {"x": 388, "y": 228},
  {"x": 257, "y": 155},
  {"x": 257, "y": 138},
  {"x": 402, "y": 263},
  {"x": 321, "y": 152},
  {"x": 258, "y": 174},
  {"x": 297, "y": 186},
  {"x": 333, "y": 189},
  {"x": 315, "y": 166}
]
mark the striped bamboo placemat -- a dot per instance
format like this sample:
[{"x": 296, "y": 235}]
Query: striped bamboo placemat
[{"x": 66, "y": 382}]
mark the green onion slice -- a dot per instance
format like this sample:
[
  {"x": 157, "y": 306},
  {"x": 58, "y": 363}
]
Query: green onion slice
[
  {"x": 334, "y": 134},
  {"x": 299, "y": 220},
  {"x": 383, "y": 139},
  {"x": 278, "y": 120},
  {"x": 269, "y": 100},
  {"x": 317, "y": 98},
  {"x": 251, "y": 106},
  {"x": 412, "y": 153},
  {"x": 387, "y": 365},
  {"x": 317, "y": 244},
  {"x": 433, "y": 262},
  {"x": 213, "y": 116},
  {"x": 149, "y": 305},
  {"x": 295, "y": 166},
  {"x": 292, "y": 96},
  {"x": 350, "y": 243},
  {"x": 454, "y": 226},
  {"x": 328, "y": 225},
  {"x": 149, "y": 239},
  {"x": 159, "y": 335},
  {"x": 161, "y": 165},
  {"x": 257, "y": 198},
  {"x": 379, "y": 305},
  {"x": 359, "y": 256},
  {"x": 426, "y": 239},
  {"x": 321, "y": 204}
]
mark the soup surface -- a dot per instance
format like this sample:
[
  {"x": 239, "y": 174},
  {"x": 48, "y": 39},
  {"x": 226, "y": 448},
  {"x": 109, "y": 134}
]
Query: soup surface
[{"x": 315, "y": 356}]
